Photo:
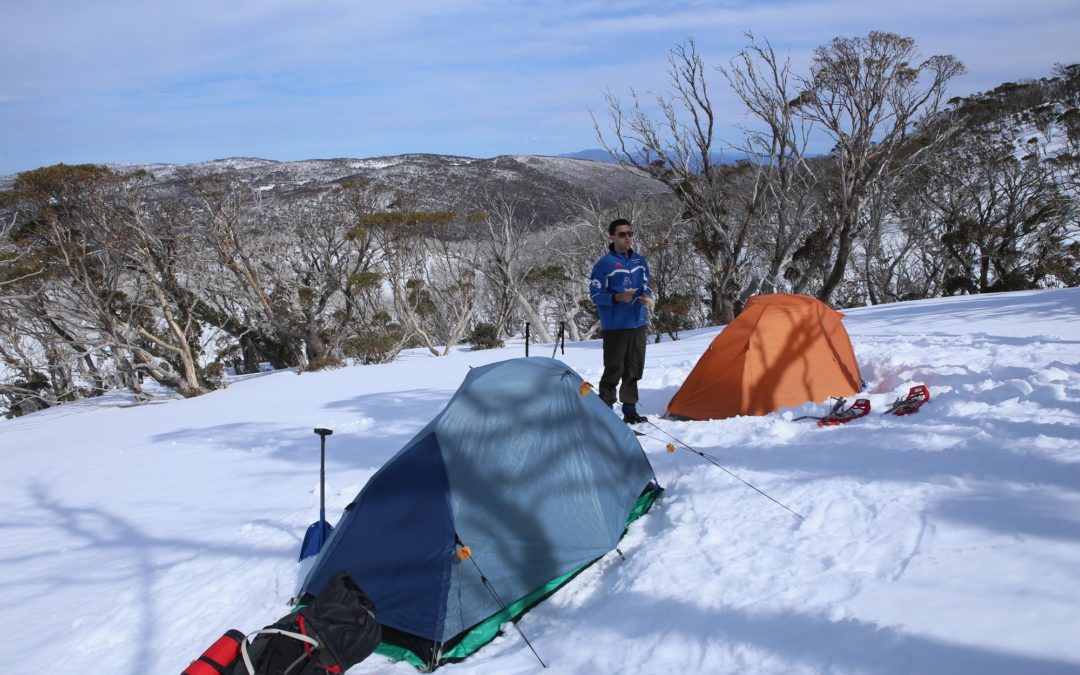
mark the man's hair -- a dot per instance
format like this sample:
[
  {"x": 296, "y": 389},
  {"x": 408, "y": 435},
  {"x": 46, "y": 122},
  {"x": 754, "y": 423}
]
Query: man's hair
[{"x": 615, "y": 223}]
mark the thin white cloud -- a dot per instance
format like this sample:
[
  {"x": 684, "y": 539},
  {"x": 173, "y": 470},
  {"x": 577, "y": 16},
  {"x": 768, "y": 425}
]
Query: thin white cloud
[{"x": 157, "y": 81}]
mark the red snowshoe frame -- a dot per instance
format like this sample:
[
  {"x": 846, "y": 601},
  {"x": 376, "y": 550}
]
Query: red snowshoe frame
[
  {"x": 911, "y": 403},
  {"x": 860, "y": 408}
]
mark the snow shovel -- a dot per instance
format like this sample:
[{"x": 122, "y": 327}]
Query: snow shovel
[{"x": 318, "y": 532}]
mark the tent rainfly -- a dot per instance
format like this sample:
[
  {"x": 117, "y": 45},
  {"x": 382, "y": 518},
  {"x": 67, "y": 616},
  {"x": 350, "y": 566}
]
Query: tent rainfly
[
  {"x": 524, "y": 479},
  {"x": 782, "y": 350}
]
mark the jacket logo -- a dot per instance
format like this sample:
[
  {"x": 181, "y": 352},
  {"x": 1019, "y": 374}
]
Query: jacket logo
[{"x": 618, "y": 266}]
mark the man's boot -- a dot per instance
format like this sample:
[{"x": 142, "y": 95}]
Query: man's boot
[{"x": 630, "y": 414}]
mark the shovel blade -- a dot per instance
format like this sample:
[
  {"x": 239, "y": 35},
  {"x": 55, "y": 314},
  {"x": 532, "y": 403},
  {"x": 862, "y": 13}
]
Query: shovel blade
[{"x": 316, "y": 535}]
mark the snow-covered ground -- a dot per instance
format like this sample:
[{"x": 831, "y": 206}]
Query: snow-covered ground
[{"x": 131, "y": 536}]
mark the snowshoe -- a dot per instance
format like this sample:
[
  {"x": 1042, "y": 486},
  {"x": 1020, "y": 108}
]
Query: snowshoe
[
  {"x": 906, "y": 405},
  {"x": 837, "y": 416}
]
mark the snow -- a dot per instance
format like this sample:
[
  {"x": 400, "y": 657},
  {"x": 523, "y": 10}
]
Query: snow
[{"x": 942, "y": 542}]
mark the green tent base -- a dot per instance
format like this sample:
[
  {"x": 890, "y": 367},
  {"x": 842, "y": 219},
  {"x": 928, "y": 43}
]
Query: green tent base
[{"x": 486, "y": 631}]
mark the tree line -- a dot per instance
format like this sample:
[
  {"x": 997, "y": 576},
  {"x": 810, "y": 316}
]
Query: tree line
[
  {"x": 112, "y": 280},
  {"x": 919, "y": 196}
]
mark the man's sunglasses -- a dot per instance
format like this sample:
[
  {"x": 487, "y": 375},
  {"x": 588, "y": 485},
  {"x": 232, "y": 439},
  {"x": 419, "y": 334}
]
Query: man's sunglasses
[{"x": 624, "y": 235}]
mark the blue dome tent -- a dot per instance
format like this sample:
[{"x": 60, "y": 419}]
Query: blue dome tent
[{"x": 524, "y": 479}]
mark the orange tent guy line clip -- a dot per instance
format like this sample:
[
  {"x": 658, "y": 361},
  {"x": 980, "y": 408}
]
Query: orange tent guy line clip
[
  {"x": 585, "y": 388},
  {"x": 464, "y": 553}
]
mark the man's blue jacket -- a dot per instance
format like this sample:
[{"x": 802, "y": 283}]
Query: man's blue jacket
[{"x": 617, "y": 273}]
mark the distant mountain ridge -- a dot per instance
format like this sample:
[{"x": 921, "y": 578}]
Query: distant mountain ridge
[
  {"x": 1043, "y": 114},
  {"x": 600, "y": 155},
  {"x": 544, "y": 187},
  {"x": 592, "y": 154}
]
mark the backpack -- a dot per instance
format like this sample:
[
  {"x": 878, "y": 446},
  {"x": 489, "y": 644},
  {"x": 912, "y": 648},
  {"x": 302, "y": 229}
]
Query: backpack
[{"x": 334, "y": 632}]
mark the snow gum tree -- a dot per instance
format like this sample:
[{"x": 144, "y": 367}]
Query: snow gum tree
[
  {"x": 105, "y": 289},
  {"x": 775, "y": 141},
  {"x": 334, "y": 264},
  {"x": 252, "y": 303},
  {"x": 677, "y": 147},
  {"x": 869, "y": 94},
  {"x": 431, "y": 270},
  {"x": 1003, "y": 221},
  {"x": 510, "y": 252}
]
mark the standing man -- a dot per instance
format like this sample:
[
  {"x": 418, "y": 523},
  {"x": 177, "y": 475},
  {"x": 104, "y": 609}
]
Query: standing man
[{"x": 620, "y": 290}]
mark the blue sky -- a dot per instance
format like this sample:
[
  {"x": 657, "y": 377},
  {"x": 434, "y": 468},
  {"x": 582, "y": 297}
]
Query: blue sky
[{"x": 151, "y": 81}]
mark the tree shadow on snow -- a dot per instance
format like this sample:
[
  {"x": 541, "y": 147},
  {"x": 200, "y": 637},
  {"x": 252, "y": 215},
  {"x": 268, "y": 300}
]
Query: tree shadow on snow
[
  {"x": 425, "y": 403},
  {"x": 299, "y": 447},
  {"x": 1005, "y": 510},
  {"x": 381, "y": 432},
  {"x": 984, "y": 308},
  {"x": 138, "y": 557},
  {"x": 817, "y": 642}
]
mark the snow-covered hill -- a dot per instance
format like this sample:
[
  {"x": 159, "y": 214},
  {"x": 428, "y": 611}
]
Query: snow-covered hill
[
  {"x": 543, "y": 185},
  {"x": 1041, "y": 118},
  {"x": 943, "y": 542}
]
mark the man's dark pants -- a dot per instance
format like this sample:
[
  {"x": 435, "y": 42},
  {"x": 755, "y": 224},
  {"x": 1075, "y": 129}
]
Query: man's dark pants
[{"x": 624, "y": 359}]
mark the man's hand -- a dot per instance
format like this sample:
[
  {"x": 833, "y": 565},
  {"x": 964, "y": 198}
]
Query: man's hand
[
  {"x": 646, "y": 300},
  {"x": 628, "y": 296}
]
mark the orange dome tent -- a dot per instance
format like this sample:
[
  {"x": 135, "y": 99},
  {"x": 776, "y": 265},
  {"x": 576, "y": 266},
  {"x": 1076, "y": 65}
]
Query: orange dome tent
[{"x": 781, "y": 350}]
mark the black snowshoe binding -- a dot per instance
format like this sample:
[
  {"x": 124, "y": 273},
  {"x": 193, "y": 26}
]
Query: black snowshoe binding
[
  {"x": 906, "y": 405},
  {"x": 837, "y": 416}
]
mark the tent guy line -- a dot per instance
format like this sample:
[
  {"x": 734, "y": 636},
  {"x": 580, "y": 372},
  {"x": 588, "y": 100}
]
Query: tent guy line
[
  {"x": 716, "y": 463},
  {"x": 505, "y": 609}
]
